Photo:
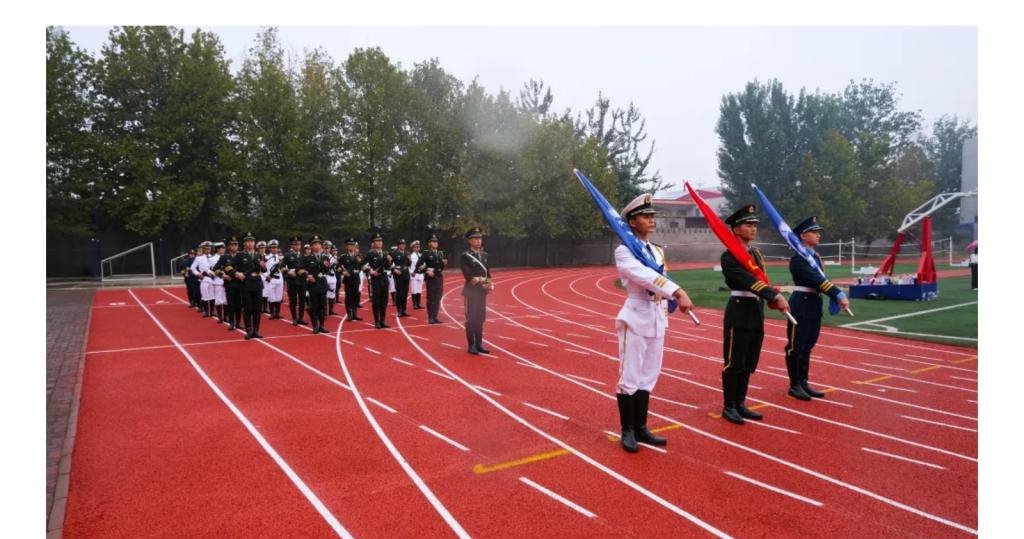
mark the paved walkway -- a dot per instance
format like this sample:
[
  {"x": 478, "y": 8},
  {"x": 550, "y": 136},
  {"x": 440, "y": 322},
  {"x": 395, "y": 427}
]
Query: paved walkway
[{"x": 67, "y": 325}]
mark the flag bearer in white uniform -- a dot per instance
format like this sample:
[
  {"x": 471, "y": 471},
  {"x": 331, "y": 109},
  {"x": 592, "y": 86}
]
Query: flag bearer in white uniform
[
  {"x": 416, "y": 278},
  {"x": 220, "y": 298},
  {"x": 201, "y": 269},
  {"x": 641, "y": 325},
  {"x": 273, "y": 283}
]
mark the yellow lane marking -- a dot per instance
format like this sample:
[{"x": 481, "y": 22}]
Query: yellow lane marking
[
  {"x": 926, "y": 369},
  {"x": 481, "y": 469},
  {"x": 873, "y": 380},
  {"x": 966, "y": 359}
]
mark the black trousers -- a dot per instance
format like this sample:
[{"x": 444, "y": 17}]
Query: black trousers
[
  {"x": 192, "y": 288},
  {"x": 351, "y": 293},
  {"x": 296, "y": 300},
  {"x": 974, "y": 275},
  {"x": 476, "y": 314},
  {"x": 234, "y": 311},
  {"x": 800, "y": 339},
  {"x": 252, "y": 299},
  {"x": 401, "y": 291},
  {"x": 379, "y": 297},
  {"x": 741, "y": 349},
  {"x": 435, "y": 289},
  {"x": 318, "y": 302}
]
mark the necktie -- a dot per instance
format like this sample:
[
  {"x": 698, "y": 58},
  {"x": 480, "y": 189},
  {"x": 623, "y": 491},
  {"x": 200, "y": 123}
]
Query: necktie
[{"x": 649, "y": 250}]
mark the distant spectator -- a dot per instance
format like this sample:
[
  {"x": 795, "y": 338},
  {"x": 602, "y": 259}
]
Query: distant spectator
[{"x": 973, "y": 263}]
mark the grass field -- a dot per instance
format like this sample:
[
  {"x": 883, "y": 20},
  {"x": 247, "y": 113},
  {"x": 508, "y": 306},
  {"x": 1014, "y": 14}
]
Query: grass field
[{"x": 957, "y": 324}]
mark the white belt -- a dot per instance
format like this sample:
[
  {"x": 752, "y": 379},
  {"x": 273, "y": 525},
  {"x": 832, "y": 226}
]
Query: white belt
[
  {"x": 655, "y": 298},
  {"x": 743, "y": 294},
  {"x": 807, "y": 289}
]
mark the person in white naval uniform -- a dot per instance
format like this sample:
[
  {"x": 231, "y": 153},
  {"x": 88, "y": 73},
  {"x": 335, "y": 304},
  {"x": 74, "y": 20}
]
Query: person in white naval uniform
[
  {"x": 641, "y": 325},
  {"x": 273, "y": 283},
  {"x": 416, "y": 277},
  {"x": 201, "y": 269}
]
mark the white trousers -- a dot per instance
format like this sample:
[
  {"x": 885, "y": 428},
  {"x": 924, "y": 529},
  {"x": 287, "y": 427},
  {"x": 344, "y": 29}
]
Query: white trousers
[
  {"x": 220, "y": 297},
  {"x": 391, "y": 283},
  {"x": 274, "y": 290},
  {"x": 332, "y": 286},
  {"x": 639, "y": 361},
  {"x": 206, "y": 289},
  {"x": 417, "y": 283}
]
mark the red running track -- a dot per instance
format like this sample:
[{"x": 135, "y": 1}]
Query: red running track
[{"x": 516, "y": 444}]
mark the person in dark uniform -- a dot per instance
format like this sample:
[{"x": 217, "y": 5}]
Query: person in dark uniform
[
  {"x": 805, "y": 305},
  {"x": 232, "y": 285},
  {"x": 190, "y": 281},
  {"x": 376, "y": 265},
  {"x": 400, "y": 271},
  {"x": 431, "y": 265},
  {"x": 295, "y": 281},
  {"x": 315, "y": 266},
  {"x": 478, "y": 285},
  {"x": 248, "y": 266},
  {"x": 972, "y": 261},
  {"x": 743, "y": 326},
  {"x": 348, "y": 268}
]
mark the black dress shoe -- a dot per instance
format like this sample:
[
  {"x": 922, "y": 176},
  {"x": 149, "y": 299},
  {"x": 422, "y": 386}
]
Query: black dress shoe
[
  {"x": 248, "y": 336},
  {"x": 482, "y": 350},
  {"x": 811, "y": 391},
  {"x": 473, "y": 350},
  {"x": 798, "y": 392},
  {"x": 357, "y": 318},
  {"x": 257, "y": 336},
  {"x": 645, "y": 436},
  {"x": 732, "y": 415},
  {"x": 302, "y": 322},
  {"x": 295, "y": 322},
  {"x": 383, "y": 325},
  {"x": 747, "y": 413},
  {"x": 629, "y": 440},
  {"x": 231, "y": 327}
]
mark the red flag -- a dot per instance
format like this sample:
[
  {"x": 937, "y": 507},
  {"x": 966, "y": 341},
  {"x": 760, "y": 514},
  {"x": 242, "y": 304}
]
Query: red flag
[{"x": 726, "y": 237}]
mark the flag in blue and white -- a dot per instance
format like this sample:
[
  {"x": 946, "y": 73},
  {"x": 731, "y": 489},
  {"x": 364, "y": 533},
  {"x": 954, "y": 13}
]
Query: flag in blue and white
[
  {"x": 622, "y": 230},
  {"x": 794, "y": 243}
]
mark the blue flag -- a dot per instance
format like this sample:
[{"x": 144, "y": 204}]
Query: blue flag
[
  {"x": 622, "y": 230},
  {"x": 795, "y": 244}
]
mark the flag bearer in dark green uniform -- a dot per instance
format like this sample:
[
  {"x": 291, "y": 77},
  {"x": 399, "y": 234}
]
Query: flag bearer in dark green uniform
[
  {"x": 295, "y": 281},
  {"x": 348, "y": 267},
  {"x": 232, "y": 285},
  {"x": 805, "y": 305},
  {"x": 478, "y": 285},
  {"x": 316, "y": 264},
  {"x": 400, "y": 271},
  {"x": 744, "y": 317},
  {"x": 376, "y": 265},
  {"x": 248, "y": 266},
  {"x": 431, "y": 265}
]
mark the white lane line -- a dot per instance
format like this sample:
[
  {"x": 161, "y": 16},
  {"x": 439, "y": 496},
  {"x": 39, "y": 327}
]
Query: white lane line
[
  {"x": 876, "y": 384},
  {"x": 969, "y": 400},
  {"x": 395, "y": 453},
  {"x": 332, "y": 521},
  {"x": 852, "y": 349},
  {"x": 418, "y": 337},
  {"x": 890, "y": 455},
  {"x": 546, "y": 411},
  {"x": 767, "y": 425},
  {"x": 559, "y": 498},
  {"x": 653, "y": 447},
  {"x": 441, "y": 374},
  {"x": 778, "y": 490},
  {"x": 580, "y": 336},
  {"x": 485, "y": 390},
  {"x": 916, "y": 313},
  {"x": 506, "y": 338},
  {"x": 382, "y": 405},
  {"x": 537, "y": 344},
  {"x": 755, "y": 387},
  {"x": 451, "y": 346},
  {"x": 346, "y": 341},
  {"x": 444, "y": 438},
  {"x": 837, "y": 403},
  {"x": 884, "y": 367},
  {"x": 780, "y": 369},
  {"x": 938, "y": 423},
  {"x": 575, "y": 351},
  {"x": 400, "y": 360},
  {"x": 585, "y": 379},
  {"x": 678, "y": 371},
  {"x": 975, "y": 380},
  {"x": 368, "y": 349},
  {"x": 677, "y": 403}
]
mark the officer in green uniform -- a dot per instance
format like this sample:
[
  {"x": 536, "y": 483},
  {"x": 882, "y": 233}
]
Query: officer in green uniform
[
  {"x": 295, "y": 281},
  {"x": 743, "y": 327},
  {"x": 478, "y": 284},
  {"x": 348, "y": 266},
  {"x": 400, "y": 272},
  {"x": 376, "y": 265},
  {"x": 316, "y": 264},
  {"x": 805, "y": 304},
  {"x": 232, "y": 285},
  {"x": 248, "y": 266},
  {"x": 431, "y": 265}
]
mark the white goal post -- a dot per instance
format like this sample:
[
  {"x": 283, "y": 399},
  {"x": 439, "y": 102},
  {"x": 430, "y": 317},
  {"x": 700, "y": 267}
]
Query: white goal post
[{"x": 120, "y": 268}]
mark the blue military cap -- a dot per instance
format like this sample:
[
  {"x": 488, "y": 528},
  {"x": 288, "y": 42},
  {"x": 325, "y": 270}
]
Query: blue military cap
[{"x": 807, "y": 225}]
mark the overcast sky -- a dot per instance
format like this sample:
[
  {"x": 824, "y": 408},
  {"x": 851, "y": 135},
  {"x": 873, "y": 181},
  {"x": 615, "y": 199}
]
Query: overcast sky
[{"x": 675, "y": 75}]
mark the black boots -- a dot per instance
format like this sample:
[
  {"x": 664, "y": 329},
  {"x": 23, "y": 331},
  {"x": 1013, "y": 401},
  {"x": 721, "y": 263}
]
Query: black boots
[
  {"x": 480, "y": 345},
  {"x": 627, "y": 415},
  {"x": 798, "y": 366},
  {"x": 805, "y": 368},
  {"x": 471, "y": 339},
  {"x": 741, "y": 406},
  {"x": 641, "y": 399},
  {"x": 416, "y": 302},
  {"x": 810, "y": 390},
  {"x": 730, "y": 393}
]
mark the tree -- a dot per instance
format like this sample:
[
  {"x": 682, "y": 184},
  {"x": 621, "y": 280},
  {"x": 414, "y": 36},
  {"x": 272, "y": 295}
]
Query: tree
[
  {"x": 70, "y": 151},
  {"x": 535, "y": 98},
  {"x": 945, "y": 149}
]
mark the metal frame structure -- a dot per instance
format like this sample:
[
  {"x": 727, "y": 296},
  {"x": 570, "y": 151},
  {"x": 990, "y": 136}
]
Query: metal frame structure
[
  {"x": 928, "y": 208},
  {"x": 133, "y": 276},
  {"x": 172, "y": 273}
]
